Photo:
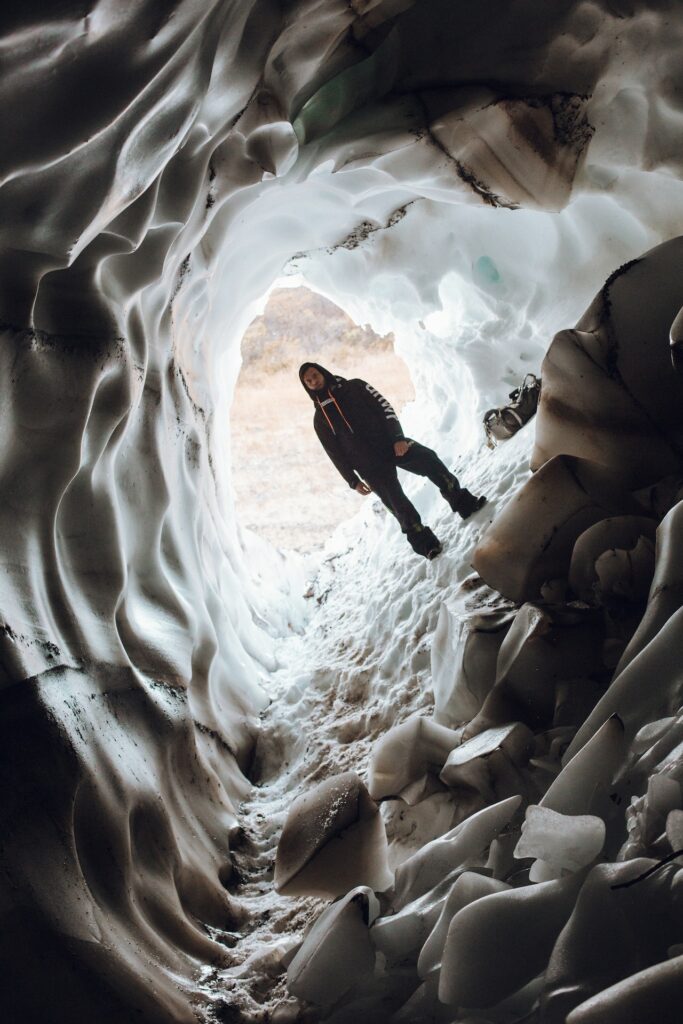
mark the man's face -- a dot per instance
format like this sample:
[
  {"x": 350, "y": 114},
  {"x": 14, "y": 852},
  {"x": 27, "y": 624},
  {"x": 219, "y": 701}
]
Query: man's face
[{"x": 313, "y": 379}]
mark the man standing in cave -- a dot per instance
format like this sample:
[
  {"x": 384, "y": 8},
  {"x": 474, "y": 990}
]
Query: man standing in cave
[{"x": 361, "y": 433}]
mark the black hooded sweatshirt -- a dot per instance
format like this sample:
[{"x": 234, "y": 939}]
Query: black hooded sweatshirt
[{"x": 355, "y": 425}]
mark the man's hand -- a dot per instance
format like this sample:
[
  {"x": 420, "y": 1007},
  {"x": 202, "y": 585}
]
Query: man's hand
[
  {"x": 363, "y": 488},
  {"x": 401, "y": 447}
]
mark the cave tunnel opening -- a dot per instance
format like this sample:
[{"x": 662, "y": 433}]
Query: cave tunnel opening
[
  {"x": 285, "y": 488},
  {"x": 468, "y": 327},
  {"x": 363, "y": 662}
]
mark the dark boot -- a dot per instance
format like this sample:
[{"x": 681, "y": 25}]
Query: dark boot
[
  {"x": 464, "y": 502},
  {"x": 423, "y": 541}
]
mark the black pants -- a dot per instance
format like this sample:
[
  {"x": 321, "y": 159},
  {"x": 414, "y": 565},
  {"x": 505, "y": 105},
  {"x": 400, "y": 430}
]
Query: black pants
[{"x": 420, "y": 460}]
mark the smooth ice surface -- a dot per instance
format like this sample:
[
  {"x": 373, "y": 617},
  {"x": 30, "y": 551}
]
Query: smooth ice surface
[
  {"x": 473, "y": 971},
  {"x": 650, "y": 996},
  {"x": 464, "y": 654},
  {"x": 406, "y": 753},
  {"x": 588, "y": 775},
  {"x": 487, "y": 762},
  {"x": 467, "y": 888},
  {"x": 333, "y": 839},
  {"x": 597, "y": 951},
  {"x": 436, "y": 860},
  {"x": 564, "y": 842},
  {"x": 620, "y": 536},
  {"x": 336, "y": 950},
  {"x": 564, "y": 497}
]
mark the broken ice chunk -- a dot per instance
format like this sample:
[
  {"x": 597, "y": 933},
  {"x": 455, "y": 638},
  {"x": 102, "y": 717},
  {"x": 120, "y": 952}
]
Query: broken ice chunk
[
  {"x": 562, "y": 842},
  {"x": 625, "y": 576},
  {"x": 465, "y": 890},
  {"x": 435, "y": 861},
  {"x": 615, "y": 533},
  {"x": 663, "y": 795},
  {"x": 562, "y": 499},
  {"x": 544, "y": 645},
  {"x": 650, "y": 995},
  {"x": 500, "y": 942},
  {"x": 422, "y": 788},
  {"x": 650, "y": 733},
  {"x": 610, "y": 391},
  {"x": 463, "y": 660},
  {"x": 666, "y": 593},
  {"x": 674, "y": 829},
  {"x": 336, "y": 950},
  {"x": 661, "y": 497},
  {"x": 549, "y": 644},
  {"x": 613, "y": 930},
  {"x": 582, "y": 785},
  {"x": 649, "y": 686},
  {"x": 333, "y": 839},
  {"x": 543, "y": 871},
  {"x": 487, "y": 761},
  {"x": 501, "y": 861},
  {"x": 404, "y": 754},
  {"x": 664, "y": 742},
  {"x": 273, "y": 146},
  {"x": 400, "y": 934}
]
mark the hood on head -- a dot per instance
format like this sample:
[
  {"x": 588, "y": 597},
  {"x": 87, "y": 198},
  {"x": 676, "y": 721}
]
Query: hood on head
[{"x": 329, "y": 378}]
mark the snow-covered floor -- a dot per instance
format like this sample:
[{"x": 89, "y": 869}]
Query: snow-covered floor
[{"x": 360, "y": 666}]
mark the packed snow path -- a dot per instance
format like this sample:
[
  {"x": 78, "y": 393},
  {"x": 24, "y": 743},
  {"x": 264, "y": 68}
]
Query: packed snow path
[{"x": 360, "y": 667}]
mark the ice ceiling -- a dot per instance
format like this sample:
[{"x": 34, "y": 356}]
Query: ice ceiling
[{"x": 467, "y": 175}]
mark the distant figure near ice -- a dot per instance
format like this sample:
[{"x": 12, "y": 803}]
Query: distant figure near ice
[{"x": 362, "y": 435}]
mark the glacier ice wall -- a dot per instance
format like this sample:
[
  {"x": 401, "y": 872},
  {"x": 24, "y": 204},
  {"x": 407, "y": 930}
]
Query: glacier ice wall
[{"x": 467, "y": 176}]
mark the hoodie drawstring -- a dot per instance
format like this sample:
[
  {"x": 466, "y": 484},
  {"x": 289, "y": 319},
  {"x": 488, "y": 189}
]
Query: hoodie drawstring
[{"x": 329, "y": 421}]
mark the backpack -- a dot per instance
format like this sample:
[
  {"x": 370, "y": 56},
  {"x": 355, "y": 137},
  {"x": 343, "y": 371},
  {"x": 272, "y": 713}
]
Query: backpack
[{"x": 502, "y": 423}]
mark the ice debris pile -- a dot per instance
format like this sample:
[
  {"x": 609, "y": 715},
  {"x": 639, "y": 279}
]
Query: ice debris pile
[{"x": 556, "y": 892}]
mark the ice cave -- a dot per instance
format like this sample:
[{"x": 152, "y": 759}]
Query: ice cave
[{"x": 410, "y": 791}]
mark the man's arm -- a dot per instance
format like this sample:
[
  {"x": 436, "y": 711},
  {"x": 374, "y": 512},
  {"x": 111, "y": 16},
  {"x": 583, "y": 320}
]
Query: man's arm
[
  {"x": 385, "y": 411},
  {"x": 337, "y": 457}
]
